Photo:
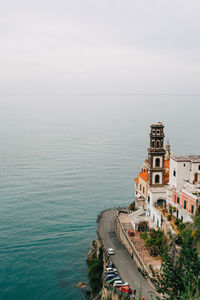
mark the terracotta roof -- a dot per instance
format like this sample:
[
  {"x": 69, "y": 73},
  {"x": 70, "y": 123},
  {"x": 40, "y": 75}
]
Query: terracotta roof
[
  {"x": 136, "y": 179},
  {"x": 143, "y": 175}
]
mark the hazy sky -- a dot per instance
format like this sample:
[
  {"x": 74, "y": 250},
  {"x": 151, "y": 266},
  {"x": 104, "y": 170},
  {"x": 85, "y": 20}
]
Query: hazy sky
[{"x": 105, "y": 46}]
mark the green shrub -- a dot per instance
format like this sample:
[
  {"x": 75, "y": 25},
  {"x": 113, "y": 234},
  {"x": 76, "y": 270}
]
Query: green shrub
[
  {"x": 144, "y": 235},
  {"x": 95, "y": 273},
  {"x": 132, "y": 206},
  {"x": 169, "y": 217},
  {"x": 181, "y": 226},
  {"x": 177, "y": 221},
  {"x": 156, "y": 241}
]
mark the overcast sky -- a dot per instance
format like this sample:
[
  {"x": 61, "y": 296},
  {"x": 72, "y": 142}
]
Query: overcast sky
[{"x": 105, "y": 46}]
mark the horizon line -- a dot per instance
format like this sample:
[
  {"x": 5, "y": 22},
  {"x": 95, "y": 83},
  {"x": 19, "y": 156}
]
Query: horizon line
[{"x": 101, "y": 94}]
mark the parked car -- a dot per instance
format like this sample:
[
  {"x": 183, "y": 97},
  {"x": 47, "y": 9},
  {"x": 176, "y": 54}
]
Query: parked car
[
  {"x": 131, "y": 232},
  {"x": 110, "y": 251},
  {"x": 126, "y": 289},
  {"x": 112, "y": 280},
  {"x": 110, "y": 276},
  {"x": 110, "y": 265},
  {"x": 119, "y": 283},
  {"x": 110, "y": 270}
]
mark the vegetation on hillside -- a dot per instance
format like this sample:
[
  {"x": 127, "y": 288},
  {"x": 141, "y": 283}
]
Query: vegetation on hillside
[
  {"x": 196, "y": 229},
  {"x": 155, "y": 240},
  {"x": 95, "y": 273},
  {"x": 179, "y": 278}
]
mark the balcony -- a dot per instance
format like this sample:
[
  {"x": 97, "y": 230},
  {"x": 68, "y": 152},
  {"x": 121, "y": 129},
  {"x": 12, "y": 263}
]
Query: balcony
[{"x": 192, "y": 187}]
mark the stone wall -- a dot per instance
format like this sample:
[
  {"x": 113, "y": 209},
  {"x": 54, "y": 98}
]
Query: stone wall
[{"x": 126, "y": 242}]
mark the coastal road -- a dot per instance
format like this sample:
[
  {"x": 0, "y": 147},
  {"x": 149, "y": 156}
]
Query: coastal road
[{"x": 124, "y": 263}]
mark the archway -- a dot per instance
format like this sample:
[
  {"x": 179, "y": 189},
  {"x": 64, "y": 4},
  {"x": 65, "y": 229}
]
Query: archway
[
  {"x": 161, "y": 202},
  {"x": 157, "y": 162},
  {"x": 157, "y": 178}
]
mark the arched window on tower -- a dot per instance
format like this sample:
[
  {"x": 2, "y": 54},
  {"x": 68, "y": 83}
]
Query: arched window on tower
[
  {"x": 157, "y": 162},
  {"x": 158, "y": 144},
  {"x": 153, "y": 144},
  {"x": 157, "y": 178}
]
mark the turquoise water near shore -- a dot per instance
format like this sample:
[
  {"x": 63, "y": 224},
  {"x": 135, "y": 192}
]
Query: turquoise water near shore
[{"x": 63, "y": 160}]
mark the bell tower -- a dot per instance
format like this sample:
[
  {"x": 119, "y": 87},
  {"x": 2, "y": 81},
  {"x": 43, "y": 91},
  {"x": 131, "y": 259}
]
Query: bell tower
[{"x": 156, "y": 154}]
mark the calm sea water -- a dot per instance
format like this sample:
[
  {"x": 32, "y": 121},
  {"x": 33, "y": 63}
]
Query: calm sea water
[{"x": 63, "y": 160}]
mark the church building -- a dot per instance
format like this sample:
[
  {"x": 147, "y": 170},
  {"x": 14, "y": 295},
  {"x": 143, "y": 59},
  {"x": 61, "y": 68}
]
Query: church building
[{"x": 167, "y": 181}]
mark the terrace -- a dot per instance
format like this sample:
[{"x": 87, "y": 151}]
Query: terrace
[
  {"x": 139, "y": 245},
  {"x": 168, "y": 217}
]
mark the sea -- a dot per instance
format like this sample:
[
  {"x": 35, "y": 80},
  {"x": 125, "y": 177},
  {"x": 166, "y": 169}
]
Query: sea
[{"x": 64, "y": 159}]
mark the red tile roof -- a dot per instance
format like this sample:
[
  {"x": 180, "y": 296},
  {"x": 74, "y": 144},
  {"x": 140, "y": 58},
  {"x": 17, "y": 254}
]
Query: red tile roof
[
  {"x": 136, "y": 179},
  {"x": 143, "y": 175}
]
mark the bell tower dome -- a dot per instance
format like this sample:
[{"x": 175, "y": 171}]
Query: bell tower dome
[{"x": 156, "y": 154}]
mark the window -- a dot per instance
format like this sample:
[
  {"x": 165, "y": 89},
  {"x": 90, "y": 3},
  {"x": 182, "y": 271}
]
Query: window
[
  {"x": 153, "y": 131},
  {"x": 184, "y": 165},
  {"x": 174, "y": 173},
  {"x": 140, "y": 187},
  {"x": 181, "y": 218},
  {"x": 158, "y": 131},
  {"x": 192, "y": 209},
  {"x": 158, "y": 144},
  {"x": 148, "y": 199},
  {"x": 199, "y": 167},
  {"x": 157, "y": 162},
  {"x": 178, "y": 200},
  {"x": 185, "y": 204},
  {"x": 157, "y": 178},
  {"x": 157, "y": 223},
  {"x": 195, "y": 177},
  {"x": 153, "y": 218},
  {"x": 153, "y": 144},
  {"x": 143, "y": 190}
]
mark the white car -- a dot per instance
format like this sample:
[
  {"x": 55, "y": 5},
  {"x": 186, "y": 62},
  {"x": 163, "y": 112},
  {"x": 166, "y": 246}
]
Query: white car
[
  {"x": 119, "y": 283},
  {"x": 110, "y": 270},
  {"x": 110, "y": 251}
]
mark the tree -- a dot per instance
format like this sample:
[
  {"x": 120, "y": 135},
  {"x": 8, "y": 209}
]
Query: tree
[
  {"x": 156, "y": 240},
  {"x": 132, "y": 206},
  {"x": 179, "y": 277}
]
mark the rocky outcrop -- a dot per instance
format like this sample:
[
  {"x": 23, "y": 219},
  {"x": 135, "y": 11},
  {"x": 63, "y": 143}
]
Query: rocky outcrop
[
  {"x": 81, "y": 285},
  {"x": 93, "y": 251}
]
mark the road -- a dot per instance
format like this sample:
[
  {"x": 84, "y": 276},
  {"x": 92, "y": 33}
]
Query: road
[{"x": 124, "y": 263}]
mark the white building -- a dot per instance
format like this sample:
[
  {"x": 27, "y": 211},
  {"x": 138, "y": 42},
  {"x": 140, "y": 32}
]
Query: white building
[{"x": 172, "y": 181}]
